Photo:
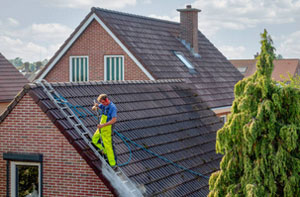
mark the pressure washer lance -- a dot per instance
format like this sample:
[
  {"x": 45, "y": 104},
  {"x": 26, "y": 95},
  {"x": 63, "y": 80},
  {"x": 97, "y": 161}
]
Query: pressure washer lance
[{"x": 98, "y": 120}]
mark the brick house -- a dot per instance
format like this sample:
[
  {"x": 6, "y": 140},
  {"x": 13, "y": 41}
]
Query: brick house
[
  {"x": 167, "y": 117},
  {"x": 110, "y": 45},
  {"x": 282, "y": 67},
  {"x": 11, "y": 82}
]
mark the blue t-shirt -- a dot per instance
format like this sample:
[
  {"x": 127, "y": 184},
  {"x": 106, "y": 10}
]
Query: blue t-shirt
[{"x": 109, "y": 110}]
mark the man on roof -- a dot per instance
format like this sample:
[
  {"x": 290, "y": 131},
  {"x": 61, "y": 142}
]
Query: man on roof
[{"x": 104, "y": 132}]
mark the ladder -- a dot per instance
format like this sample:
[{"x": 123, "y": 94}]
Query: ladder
[{"x": 124, "y": 185}]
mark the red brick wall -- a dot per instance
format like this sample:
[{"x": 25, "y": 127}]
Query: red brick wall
[
  {"x": 28, "y": 130},
  {"x": 94, "y": 42}
]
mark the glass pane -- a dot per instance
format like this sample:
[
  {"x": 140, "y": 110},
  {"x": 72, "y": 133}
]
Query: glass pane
[
  {"x": 184, "y": 60},
  {"x": 117, "y": 68},
  {"x": 107, "y": 69},
  {"x": 77, "y": 66},
  {"x": 112, "y": 68},
  {"x": 81, "y": 67},
  {"x": 73, "y": 69},
  {"x": 27, "y": 180},
  {"x": 86, "y": 70},
  {"x": 121, "y": 59}
]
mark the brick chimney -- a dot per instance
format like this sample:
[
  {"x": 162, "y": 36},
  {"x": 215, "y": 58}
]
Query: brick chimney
[{"x": 189, "y": 26}]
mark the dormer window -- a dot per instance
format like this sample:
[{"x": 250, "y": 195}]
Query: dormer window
[{"x": 184, "y": 60}]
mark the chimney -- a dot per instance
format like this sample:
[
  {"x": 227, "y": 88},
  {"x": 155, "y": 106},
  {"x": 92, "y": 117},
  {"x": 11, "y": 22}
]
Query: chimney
[{"x": 189, "y": 26}]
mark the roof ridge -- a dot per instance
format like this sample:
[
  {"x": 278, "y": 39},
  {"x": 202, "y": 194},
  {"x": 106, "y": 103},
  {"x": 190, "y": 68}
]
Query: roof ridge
[
  {"x": 256, "y": 59},
  {"x": 56, "y": 84},
  {"x": 133, "y": 15}
]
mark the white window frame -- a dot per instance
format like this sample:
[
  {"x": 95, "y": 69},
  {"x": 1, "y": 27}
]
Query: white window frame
[
  {"x": 13, "y": 165},
  {"x": 123, "y": 60},
  {"x": 183, "y": 59},
  {"x": 70, "y": 67},
  {"x": 225, "y": 118}
]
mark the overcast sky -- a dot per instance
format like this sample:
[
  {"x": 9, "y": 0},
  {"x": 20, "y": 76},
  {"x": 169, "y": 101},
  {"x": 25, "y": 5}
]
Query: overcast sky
[{"x": 35, "y": 29}]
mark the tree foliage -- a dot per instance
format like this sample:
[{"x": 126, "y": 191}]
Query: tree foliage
[
  {"x": 31, "y": 66},
  {"x": 260, "y": 140}
]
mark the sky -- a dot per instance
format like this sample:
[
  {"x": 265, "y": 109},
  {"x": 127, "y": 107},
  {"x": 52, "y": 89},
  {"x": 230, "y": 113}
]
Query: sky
[{"x": 34, "y": 29}]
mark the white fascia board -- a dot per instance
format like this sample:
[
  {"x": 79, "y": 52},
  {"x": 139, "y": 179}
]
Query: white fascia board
[
  {"x": 219, "y": 110},
  {"x": 79, "y": 32}
]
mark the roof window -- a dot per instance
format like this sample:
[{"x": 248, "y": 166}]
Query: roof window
[{"x": 184, "y": 60}]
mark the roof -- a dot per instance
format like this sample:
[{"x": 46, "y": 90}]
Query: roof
[
  {"x": 165, "y": 116},
  {"x": 153, "y": 43},
  {"x": 281, "y": 67},
  {"x": 11, "y": 80}
]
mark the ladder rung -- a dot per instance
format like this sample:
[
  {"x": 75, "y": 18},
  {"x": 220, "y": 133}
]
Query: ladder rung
[
  {"x": 76, "y": 125},
  {"x": 71, "y": 116}
]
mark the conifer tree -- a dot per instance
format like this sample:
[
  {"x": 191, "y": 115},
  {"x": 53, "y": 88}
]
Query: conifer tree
[{"x": 261, "y": 139}]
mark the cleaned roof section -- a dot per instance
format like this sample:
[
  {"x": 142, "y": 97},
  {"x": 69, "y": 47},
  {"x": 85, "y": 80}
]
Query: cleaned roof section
[
  {"x": 166, "y": 117},
  {"x": 11, "y": 80},
  {"x": 281, "y": 67}
]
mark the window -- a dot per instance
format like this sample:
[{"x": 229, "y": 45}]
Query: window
[
  {"x": 79, "y": 68},
  {"x": 113, "y": 67},
  {"x": 24, "y": 173},
  {"x": 242, "y": 69},
  {"x": 25, "y": 179},
  {"x": 184, "y": 60},
  {"x": 223, "y": 118}
]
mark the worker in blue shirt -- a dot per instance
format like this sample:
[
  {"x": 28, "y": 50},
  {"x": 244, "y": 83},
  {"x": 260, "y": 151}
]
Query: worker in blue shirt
[{"x": 104, "y": 132}]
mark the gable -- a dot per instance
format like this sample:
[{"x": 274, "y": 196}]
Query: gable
[
  {"x": 93, "y": 39},
  {"x": 27, "y": 129}
]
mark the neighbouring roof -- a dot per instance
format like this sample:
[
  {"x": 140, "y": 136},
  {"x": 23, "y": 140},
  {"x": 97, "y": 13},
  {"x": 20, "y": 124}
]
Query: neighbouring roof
[
  {"x": 166, "y": 116},
  {"x": 281, "y": 67},
  {"x": 11, "y": 80},
  {"x": 153, "y": 42}
]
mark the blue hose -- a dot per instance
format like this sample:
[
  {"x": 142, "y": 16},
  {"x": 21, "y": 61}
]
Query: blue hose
[{"x": 161, "y": 157}]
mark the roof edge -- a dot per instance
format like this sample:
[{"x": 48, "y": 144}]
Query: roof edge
[
  {"x": 95, "y": 83},
  {"x": 14, "y": 102},
  {"x": 65, "y": 46},
  {"x": 123, "y": 45}
]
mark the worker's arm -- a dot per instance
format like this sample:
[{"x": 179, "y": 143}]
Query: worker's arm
[
  {"x": 112, "y": 121},
  {"x": 95, "y": 107}
]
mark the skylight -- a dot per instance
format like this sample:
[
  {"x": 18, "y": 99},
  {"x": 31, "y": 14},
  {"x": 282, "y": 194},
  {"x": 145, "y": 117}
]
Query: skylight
[{"x": 184, "y": 60}]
